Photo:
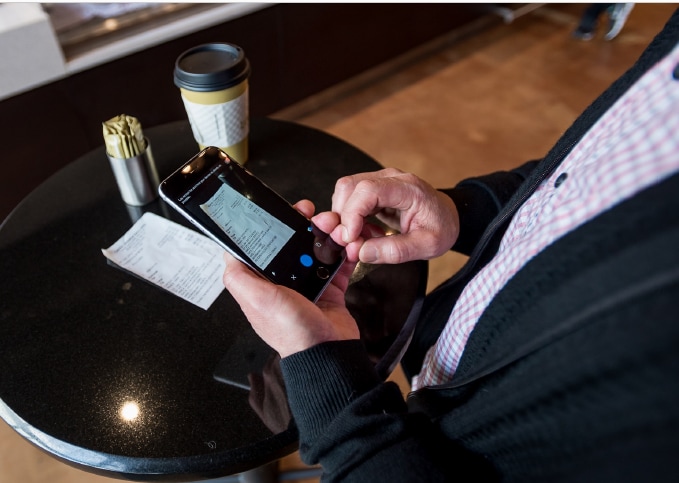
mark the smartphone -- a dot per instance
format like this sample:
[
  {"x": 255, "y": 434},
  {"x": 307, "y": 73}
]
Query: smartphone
[{"x": 254, "y": 223}]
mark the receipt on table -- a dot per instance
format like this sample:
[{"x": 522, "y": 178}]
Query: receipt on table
[{"x": 173, "y": 257}]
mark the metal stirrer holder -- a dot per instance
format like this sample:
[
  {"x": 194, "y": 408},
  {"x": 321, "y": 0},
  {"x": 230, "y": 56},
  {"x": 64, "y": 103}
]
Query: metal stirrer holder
[{"x": 129, "y": 153}]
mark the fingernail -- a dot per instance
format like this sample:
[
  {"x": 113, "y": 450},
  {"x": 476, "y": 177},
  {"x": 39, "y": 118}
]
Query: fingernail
[
  {"x": 345, "y": 235},
  {"x": 368, "y": 254}
]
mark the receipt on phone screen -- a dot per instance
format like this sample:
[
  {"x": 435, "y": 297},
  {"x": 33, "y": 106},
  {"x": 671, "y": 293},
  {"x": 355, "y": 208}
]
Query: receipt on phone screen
[
  {"x": 260, "y": 235},
  {"x": 173, "y": 257}
]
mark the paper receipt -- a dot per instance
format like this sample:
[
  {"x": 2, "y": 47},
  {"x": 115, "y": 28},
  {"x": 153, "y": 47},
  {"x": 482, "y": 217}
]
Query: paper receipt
[{"x": 175, "y": 258}]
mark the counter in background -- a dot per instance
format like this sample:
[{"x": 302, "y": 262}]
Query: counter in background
[
  {"x": 34, "y": 51},
  {"x": 29, "y": 51},
  {"x": 296, "y": 51}
]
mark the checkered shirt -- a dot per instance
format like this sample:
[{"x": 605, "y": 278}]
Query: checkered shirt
[{"x": 633, "y": 146}]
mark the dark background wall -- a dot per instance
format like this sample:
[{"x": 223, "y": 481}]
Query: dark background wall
[{"x": 295, "y": 50}]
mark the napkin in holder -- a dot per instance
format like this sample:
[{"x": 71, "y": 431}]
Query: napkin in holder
[{"x": 129, "y": 153}]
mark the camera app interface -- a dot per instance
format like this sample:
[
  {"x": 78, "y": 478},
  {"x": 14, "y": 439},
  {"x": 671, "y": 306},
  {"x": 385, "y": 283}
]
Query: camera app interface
[
  {"x": 260, "y": 235},
  {"x": 259, "y": 225}
]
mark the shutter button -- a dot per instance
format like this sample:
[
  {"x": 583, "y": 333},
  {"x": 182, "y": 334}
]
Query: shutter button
[{"x": 560, "y": 179}]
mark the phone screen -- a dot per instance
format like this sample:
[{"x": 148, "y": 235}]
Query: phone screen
[{"x": 253, "y": 222}]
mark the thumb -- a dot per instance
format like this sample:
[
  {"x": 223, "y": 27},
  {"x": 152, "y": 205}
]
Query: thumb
[
  {"x": 390, "y": 249},
  {"x": 239, "y": 280},
  {"x": 400, "y": 248}
]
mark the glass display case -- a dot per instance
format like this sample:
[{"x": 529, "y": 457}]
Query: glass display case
[
  {"x": 83, "y": 27},
  {"x": 93, "y": 33}
]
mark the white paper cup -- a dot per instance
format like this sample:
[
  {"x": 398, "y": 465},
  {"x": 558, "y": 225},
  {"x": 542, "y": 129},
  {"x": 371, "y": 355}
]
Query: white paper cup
[{"x": 213, "y": 82}]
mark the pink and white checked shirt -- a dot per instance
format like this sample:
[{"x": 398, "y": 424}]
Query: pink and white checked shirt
[{"x": 634, "y": 145}]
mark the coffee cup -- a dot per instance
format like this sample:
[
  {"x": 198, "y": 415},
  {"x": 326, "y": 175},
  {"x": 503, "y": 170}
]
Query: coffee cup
[{"x": 213, "y": 82}]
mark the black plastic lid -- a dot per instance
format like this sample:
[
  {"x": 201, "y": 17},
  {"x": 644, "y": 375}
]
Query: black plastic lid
[{"x": 211, "y": 67}]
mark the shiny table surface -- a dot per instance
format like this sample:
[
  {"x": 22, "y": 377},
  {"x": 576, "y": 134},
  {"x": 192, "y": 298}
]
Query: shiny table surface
[{"x": 80, "y": 339}]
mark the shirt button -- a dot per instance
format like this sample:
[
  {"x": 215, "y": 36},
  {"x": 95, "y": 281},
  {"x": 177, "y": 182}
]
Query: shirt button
[{"x": 560, "y": 179}]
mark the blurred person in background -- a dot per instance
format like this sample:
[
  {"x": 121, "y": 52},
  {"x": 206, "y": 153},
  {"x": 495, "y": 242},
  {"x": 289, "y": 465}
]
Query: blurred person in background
[{"x": 616, "y": 14}]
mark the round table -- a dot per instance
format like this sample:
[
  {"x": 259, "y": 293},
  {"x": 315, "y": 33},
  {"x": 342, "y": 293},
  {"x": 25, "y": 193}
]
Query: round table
[{"x": 80, "y": 338}]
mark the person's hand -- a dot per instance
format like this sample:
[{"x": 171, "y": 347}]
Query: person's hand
[
  {"x": 426, "y": 219},
  {"x": 286, "y": 320}
]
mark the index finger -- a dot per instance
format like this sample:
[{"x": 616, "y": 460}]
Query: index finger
[
  {"x": 345, "y": 186},
  {"x": 359, "y": 196},
  {"x": 371, "y": 197}
]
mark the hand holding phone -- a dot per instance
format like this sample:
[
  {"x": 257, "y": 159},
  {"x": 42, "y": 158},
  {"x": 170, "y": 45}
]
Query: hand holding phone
[{"x": 252, "y": 222}]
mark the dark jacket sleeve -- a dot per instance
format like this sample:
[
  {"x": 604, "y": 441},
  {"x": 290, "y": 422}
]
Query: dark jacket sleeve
[
  {"x": 478, "y": 200},
  {"x": 358, "y": 427}
]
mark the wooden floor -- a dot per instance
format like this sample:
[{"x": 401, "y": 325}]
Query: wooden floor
[
  {"x": 490, "y": 101},
  {"x": 463, "y": 106}
]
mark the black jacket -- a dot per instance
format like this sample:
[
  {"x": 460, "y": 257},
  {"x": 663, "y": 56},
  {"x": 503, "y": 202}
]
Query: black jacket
[{"x": 571, "y": 374}]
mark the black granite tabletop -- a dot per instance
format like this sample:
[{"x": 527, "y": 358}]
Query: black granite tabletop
[{"x": 82, "y": 341}]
